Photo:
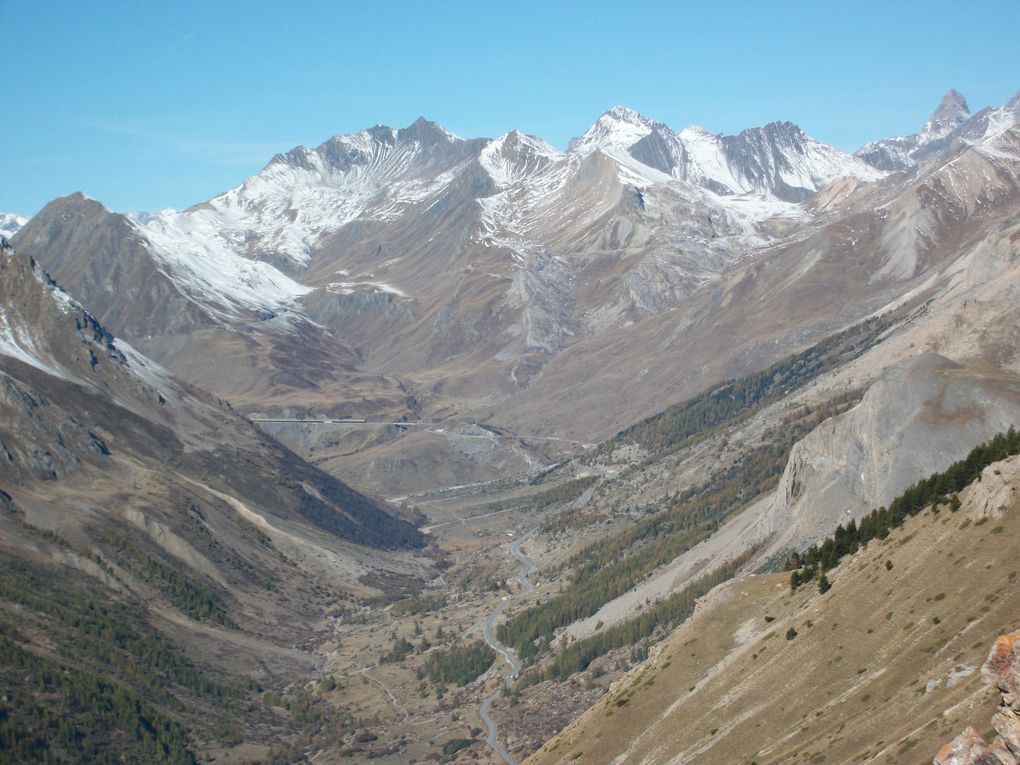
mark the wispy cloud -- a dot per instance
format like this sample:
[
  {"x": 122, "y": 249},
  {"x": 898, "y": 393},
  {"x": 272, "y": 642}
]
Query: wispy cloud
[
  {"x": 180, "y": 42},
  {"x": 29, "y": 161},
  {"x": 229, "y": 153},
  {"x": 174, "y": 136}
]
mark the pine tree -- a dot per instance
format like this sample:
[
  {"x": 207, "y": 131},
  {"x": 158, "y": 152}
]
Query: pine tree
[{"x": 823, "y": 584}]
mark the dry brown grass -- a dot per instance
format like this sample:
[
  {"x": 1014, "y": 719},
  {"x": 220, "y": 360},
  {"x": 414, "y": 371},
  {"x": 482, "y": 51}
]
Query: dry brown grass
[{"x": 881, "y": 669}]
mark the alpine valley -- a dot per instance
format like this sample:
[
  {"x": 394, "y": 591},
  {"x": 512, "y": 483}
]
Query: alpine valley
[{"x": 418, "y": 448}]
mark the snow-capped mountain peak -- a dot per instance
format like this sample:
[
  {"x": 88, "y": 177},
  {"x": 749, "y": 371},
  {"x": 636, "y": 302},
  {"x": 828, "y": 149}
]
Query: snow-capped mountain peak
[
  {"x": 950, "y": 121},
  {"x": 626, "y": 114},
  {"x": 951, "y": 112},
  {"x": 994, "y": 121},
  {"x": 244, "y": 252},
  {"x": 617, "y": 128},
  {"x": 778, "y": 159},
  {"x": 514, "y": 157},
  {"x": 199, "y": 253},
  {"x": 515, "y": 139},
  {"x": 280, "y": 214},
  {"x": 427, "y": 133},
  {"x": 695, "y": 132}
]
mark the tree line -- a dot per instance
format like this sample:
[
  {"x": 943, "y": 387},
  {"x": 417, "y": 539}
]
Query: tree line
[
  {"x": 936, "y": 489},
  {"x": 606, "y": 569},
  {"x": 705, "y": 413},
  {"x": 663, "y": 616},
  {"x": 186, "y": 593}
]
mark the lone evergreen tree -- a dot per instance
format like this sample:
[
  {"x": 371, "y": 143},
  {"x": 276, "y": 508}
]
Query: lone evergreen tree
[{"x": 823, "y": 584}]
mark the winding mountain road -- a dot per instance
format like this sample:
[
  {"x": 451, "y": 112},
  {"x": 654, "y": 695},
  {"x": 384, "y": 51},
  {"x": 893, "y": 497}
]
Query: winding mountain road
[{"x": 489, "y": 632}]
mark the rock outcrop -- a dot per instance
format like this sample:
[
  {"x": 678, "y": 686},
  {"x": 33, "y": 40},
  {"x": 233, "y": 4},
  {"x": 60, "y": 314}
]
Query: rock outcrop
[
  {"x": 1002, "y": 670},
  {"x": 918, "y": 418}
]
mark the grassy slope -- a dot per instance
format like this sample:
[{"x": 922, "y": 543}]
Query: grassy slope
[{"x": 727, "y": 686}]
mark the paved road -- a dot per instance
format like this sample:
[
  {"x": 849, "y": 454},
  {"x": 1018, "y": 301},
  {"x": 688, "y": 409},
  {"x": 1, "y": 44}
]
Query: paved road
[
  {"x": 488, "y": 631},
  {"x": 529, "y": 567},
  {"x": 441, "y": 428}
]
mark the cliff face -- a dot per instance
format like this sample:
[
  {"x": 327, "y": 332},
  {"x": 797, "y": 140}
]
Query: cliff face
[
  {"x": 1001, "y": 670},
  {"x": 918, "y": 418}
]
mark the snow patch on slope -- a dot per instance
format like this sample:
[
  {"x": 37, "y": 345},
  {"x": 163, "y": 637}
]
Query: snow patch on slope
[
  {"x": 195, "y": 252},
  {"x": 706, "y": 159},
  {"x": 762, "y": 160},
  {"x": 777, "y": 158},
  {"x": 1000, "y": 146},
  {"x": 514, "y": 157},
  {"x": 151, "y": 373},
  {"x": 349, "y": 288},
  {"x": 613, "y": 134},
  {"x": 530, "y": 175},
  {"x": 951, "y": 121},
  {"x": 223, "y": 254},
  {"x": 18, "y": 344},
  {"x": 1002, "y": 119},
  {"x": 10, "y": 224},
  {"x": 16, "y": 337},
  {"x": 300, "y": 197}
]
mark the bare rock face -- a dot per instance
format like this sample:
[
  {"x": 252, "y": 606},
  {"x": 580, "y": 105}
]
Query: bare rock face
[
  {"x": 1003, "y": 666},
  {"x": 967, "y": 749},
  {"x": 952, "y": 112},
  {"x": 919, "y": 417},
  {"x": 1002, "y": 670},
  {"x": 997, "y": 489}
]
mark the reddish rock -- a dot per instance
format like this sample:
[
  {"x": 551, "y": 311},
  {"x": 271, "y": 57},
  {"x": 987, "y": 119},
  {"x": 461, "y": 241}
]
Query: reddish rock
[
  {"x": 967, "y": 749},
  {"x": 1002, "y": 669}
]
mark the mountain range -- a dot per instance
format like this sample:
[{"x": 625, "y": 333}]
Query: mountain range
[
  {"x": 661, "y": 356},
  {"x": 422, "y": 274}
]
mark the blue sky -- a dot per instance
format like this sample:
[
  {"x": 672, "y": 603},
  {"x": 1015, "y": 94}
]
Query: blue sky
[{"x": 147, "y": 105}]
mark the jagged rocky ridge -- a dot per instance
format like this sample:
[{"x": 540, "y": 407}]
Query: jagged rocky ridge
[
  {"x": 399, "y": 274},
  {"x": 778, "y": 159},
  {"x": 289, "y": 249},
  {"x": 951, "y": 121}
]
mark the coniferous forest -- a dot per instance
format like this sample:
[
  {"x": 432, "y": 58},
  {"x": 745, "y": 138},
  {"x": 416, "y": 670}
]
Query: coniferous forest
[{"x": 934, "y": 490}]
